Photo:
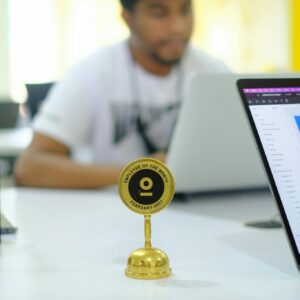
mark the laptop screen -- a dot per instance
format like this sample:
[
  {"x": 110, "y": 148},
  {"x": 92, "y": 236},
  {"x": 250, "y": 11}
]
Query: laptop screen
[{"x": 275, "y": 112}]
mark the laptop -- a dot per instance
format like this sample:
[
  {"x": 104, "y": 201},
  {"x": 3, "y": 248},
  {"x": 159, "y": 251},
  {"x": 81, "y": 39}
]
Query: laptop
[
  {"x": 272, "y": 107},
  {"x": 5, "y": 226},
  {"x": 212, "y": 148}
]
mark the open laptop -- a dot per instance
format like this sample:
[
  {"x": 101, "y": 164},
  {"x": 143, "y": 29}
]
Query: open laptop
[
  {"x": 212, "y": 148},
  {"x": 273, "y": 110},
  {"x": 5, "y": 226}
]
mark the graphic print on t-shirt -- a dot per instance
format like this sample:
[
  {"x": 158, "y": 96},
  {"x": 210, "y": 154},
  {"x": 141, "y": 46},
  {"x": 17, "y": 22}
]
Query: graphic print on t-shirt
[{"x": 157, "y": 122}]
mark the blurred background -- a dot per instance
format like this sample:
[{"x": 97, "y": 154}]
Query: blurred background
[{"x": 41, "y": 39}]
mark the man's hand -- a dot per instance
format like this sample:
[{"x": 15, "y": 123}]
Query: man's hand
[{"x": 160, "y": 156}]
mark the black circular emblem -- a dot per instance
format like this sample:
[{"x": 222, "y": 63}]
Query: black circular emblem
[{"x": 146, "y": 187}]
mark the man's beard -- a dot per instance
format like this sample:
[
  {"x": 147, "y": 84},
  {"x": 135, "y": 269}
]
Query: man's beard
[{"x": 165, "y": 62}]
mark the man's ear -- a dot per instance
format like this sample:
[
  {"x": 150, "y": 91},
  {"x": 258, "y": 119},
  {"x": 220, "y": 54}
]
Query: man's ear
[{"x": 127, "y": 17}]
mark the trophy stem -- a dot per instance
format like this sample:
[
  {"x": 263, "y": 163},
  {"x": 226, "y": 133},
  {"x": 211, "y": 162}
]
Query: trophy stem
[
  {"x": 148, "y": 244},
  {"x": 148, "y": 262}
]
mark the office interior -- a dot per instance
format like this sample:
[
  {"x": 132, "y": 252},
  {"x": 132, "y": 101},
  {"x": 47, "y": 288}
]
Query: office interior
[{"x": 41, "y": 39}]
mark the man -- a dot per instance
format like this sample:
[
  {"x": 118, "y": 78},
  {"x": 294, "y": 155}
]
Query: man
[{"x": 122, "y": 101}]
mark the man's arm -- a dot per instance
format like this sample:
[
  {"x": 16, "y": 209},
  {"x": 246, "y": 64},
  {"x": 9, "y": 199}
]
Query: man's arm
[{"x": 46, "y": 163}]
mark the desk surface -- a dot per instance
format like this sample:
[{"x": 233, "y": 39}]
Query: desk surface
[
  {"x": 14, "y": 141},
  {"x": 74, "y": 245}
]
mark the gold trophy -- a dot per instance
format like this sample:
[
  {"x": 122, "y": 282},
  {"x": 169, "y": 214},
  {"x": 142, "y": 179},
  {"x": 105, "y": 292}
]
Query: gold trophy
[{"x": 146, "y": 187}]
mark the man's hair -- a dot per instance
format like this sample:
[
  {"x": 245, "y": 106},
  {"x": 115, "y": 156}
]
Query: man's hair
[{"x": 129, "y": 4}]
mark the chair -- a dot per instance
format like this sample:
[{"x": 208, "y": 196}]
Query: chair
[{"x": 37, "y": 92}]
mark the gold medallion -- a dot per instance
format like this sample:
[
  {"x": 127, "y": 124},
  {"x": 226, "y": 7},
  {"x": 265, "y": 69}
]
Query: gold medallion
[{"x": 146, "y": 186}]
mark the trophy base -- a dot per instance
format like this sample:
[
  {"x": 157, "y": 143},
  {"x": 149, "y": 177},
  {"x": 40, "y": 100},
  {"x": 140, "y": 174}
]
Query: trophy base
[{"x": 148, "y": 264}]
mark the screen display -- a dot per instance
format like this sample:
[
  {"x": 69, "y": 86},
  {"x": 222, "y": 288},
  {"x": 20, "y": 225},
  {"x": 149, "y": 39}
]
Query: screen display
[{"x": 276, "y": 114}]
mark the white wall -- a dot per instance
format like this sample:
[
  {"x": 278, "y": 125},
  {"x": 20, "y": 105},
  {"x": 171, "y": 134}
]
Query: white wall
[
  {"x": 4, "y": 51},
  {"x": 48, "y": 36}
]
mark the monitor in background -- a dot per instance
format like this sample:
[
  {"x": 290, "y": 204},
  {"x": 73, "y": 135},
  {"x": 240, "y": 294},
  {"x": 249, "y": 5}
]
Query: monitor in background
[
  {"x": 9, "y": 112},
  {"x": 273, "y": 110}
]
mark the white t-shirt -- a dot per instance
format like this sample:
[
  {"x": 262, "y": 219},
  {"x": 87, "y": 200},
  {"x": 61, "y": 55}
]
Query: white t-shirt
[{"x": 98, "y": 101}]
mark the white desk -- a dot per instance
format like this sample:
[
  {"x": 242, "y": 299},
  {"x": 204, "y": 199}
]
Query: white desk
[
  {"x": 14, "y": 141},
  {"x": 74, "y": 245}
]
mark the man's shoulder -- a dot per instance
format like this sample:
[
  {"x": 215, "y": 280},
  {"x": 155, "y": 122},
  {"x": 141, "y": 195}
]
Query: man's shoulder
[
  {"x": 101, "y": 60},
  {"x": 197, "y": 58},
  {"x": 91, "y": 76},
  {"x": 108, "y": 52}
]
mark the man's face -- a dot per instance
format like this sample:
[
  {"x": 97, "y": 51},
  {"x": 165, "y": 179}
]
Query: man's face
[{"x": 162, "y": 28}]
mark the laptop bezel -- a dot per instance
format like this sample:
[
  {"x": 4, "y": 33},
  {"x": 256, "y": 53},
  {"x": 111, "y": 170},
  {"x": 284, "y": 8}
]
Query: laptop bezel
[{"x": 269, "y": 83}]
